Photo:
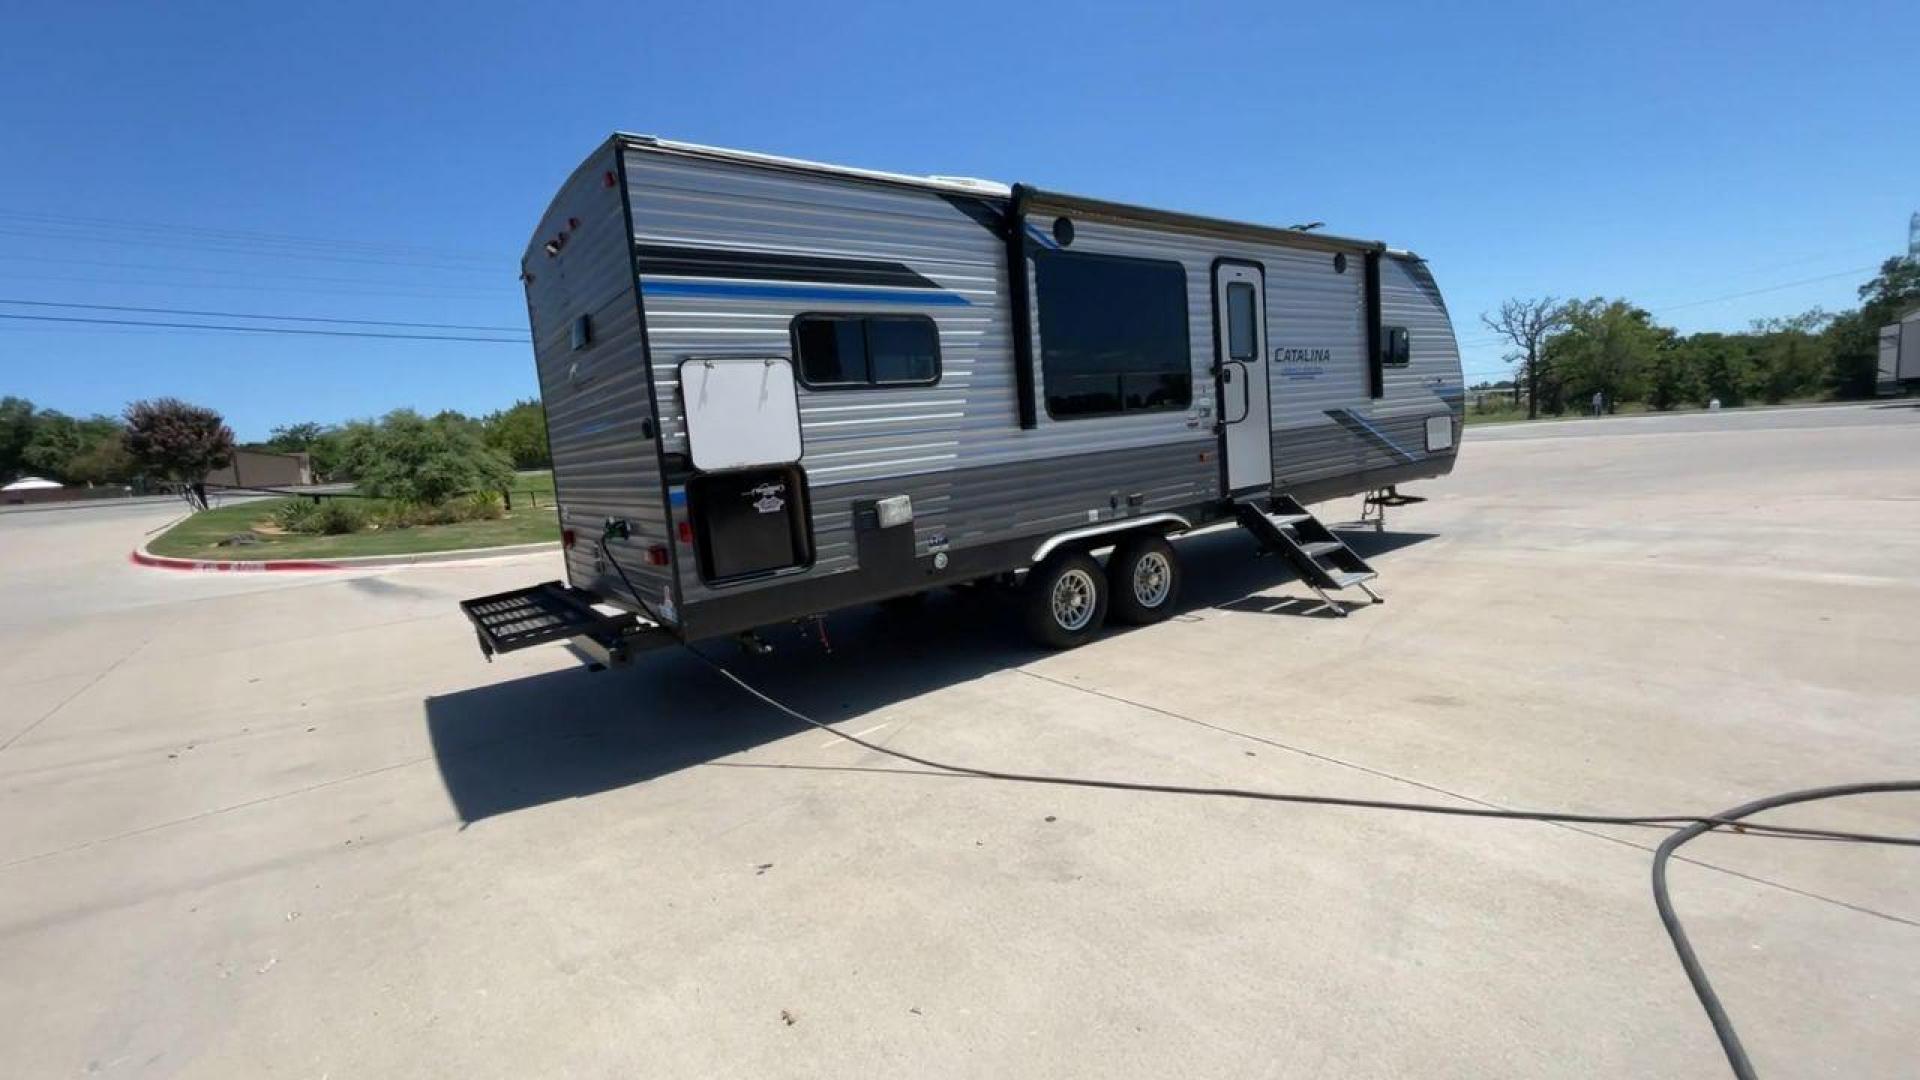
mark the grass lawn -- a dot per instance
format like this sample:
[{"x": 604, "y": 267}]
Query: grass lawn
[{"x": 198, "y": 537}]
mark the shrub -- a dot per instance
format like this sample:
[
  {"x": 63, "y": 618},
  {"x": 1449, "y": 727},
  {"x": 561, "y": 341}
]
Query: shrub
[
  {"x": 331, "y": 517},
  {"x": 483, "y": 506},
  {"x": 423, "y": 462},
  {"x": 297, "y": 516},
  {"x": 337, "y": 517}
]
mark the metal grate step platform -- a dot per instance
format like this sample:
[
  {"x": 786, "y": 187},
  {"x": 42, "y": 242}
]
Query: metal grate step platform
[{"x": 523, "y": 618}]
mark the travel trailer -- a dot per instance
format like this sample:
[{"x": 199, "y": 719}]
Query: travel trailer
[
  {"x": 776, "y": 388},
  {"x": 1899, "y": 355}
]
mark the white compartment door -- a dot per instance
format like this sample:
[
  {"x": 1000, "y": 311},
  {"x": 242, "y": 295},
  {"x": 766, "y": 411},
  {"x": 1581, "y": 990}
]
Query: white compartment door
[
  {"x": 1240, "y": 327},
  {"x": 741, "y": 411}
]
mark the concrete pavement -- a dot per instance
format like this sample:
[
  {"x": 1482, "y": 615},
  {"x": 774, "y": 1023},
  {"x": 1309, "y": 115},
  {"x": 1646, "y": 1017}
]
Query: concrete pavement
[{"x": 292, "y": 824}]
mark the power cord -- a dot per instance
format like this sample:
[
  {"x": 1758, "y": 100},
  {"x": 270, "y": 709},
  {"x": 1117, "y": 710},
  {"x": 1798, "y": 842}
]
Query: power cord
[{"x": 1687, "y": 827}]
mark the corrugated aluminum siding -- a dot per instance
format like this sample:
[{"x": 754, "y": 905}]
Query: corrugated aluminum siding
[
  {"x": 596, "y": 397},
  {"x": 957, "y": 448},
  {"x": 1431, "y": 384}
]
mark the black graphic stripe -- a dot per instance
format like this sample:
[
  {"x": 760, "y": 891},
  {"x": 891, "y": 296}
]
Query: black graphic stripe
[
  {"x": 982, "y": 213},
  {"x": 777, "y": 266},
  {"x": 1357, "y": 425}
]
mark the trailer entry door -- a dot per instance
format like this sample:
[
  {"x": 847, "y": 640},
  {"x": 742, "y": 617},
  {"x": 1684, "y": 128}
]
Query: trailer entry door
[{"x": 1240, "y": 336}]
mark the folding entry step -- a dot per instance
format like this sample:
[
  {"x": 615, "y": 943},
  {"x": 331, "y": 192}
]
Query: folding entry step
[
  {"x": 523, "y": 618},
  {"x": 1324, "y": 561}
]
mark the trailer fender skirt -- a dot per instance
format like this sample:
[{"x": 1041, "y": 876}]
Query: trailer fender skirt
[{"x": 1052, "y": 543}]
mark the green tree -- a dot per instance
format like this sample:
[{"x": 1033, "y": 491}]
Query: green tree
[
  {"x": 1673, "y": 379},
  {"x": 520, "y": 433},
  {"x": 1608, "y": 347},
  {"x": 1893, "y": 291},
  {"x": 59, "y": 441},
  {"x": 1721, "y": 366},
  {"x": 170, "y": 438},
  {"x": 56, "y": 440},
  {"x": 104, "y": 461},
  {"x": 1790, "y": 357},
  {"x": 411, "y": 459},
  {"x": 17, "y": 420},
  {"x": 1853, "y": 355},
  {"x": 295, "y": 438}
]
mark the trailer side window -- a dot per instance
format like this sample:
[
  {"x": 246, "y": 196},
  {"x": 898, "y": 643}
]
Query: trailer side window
[
  {"x": 842, "y": 352},
  {"x": 1113, "y": 334},
  {"x": 1398, "y": 349}
]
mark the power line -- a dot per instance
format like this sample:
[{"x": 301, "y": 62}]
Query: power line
[
  {"x": 258, "y": 329},
  {"x": 244, "y": 315},
  {"x": 1768, "y": 289},
  {"x": 1485, "y": 342},
  {"x": 389, "y": 292},
  {"x": 254, "y": 251},
  {"x": 228, "y": 271},
  {"x": 363, "y": 246}
]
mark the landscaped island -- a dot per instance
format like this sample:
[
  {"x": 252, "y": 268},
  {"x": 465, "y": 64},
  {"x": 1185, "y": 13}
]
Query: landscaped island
[{"x": 259, "y": 530}]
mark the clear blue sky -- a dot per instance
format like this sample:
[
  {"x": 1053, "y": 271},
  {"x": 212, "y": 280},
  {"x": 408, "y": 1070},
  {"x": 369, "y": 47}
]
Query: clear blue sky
[{"x": 1668, "y": 153}]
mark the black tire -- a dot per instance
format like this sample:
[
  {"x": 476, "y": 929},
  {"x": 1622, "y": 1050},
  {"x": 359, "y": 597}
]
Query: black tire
[
  {"x": 1143, "y": 577},
  {"x": 1065, "y": 600}
]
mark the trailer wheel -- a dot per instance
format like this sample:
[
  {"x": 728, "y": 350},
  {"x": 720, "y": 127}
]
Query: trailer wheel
[
  {"x": 1143, "y": 574},
  {"x": 1065, "y": 600}
]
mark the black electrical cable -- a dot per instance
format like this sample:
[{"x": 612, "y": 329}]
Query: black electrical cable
[
  {"x": 1702, "y": 987},
  {"x": 1687, "y": 826}
]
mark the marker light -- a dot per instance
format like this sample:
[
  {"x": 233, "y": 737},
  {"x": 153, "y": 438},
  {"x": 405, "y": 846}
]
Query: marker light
[{"x": 894, "y": 510}]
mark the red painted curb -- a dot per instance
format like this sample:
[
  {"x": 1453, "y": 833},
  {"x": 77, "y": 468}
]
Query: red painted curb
[{"x": 162, "y": 562}]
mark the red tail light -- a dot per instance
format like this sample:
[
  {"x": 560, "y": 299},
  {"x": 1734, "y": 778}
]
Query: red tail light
[
  {"x": 686, "y": 532},
  {"x": 566, "y": 538},
  {"x": 657, "y": 555}
]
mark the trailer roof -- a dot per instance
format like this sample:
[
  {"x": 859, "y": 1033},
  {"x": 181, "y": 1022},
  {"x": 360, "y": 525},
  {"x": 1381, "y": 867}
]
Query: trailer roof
[
  {"x": 958, "y": 185},
  {"x": 995, "y": 191}
]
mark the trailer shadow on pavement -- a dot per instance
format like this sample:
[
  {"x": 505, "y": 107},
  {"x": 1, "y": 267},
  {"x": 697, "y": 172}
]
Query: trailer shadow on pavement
[{"x": 573, "y": 733}]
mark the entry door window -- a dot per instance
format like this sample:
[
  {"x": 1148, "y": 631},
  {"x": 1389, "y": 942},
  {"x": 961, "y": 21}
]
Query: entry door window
[{"x": 1242, "y": 337}]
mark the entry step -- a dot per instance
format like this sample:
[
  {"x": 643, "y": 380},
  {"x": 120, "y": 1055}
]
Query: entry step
[{"x": 1324, "y": 561}]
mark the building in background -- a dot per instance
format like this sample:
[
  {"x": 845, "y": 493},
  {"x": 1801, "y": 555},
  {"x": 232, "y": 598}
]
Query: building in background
[{"x": 263, "y": 468}]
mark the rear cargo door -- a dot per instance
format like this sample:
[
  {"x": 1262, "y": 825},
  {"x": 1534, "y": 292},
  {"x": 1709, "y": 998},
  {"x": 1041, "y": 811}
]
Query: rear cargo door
[{"x": 1240, "y": 336}]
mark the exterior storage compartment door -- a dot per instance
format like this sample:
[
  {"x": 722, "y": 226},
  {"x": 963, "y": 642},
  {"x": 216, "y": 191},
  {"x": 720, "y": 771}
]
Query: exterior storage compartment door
[
  {"x": 749, "y": 523},
  {"x": 741, "y": 411}
]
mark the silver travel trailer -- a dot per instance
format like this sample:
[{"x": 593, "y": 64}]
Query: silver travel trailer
[
  {"x": 1899, "y": 355},
  {"x": 775, "y": 388}
]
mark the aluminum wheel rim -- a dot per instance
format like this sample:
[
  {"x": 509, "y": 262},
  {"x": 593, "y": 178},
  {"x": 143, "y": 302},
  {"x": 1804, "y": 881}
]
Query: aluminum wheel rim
[
  {"x": 1073, "y": 600},
  {"x": 1152, "y": 579}
]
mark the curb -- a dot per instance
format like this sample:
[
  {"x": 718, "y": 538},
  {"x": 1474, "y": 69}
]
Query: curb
[{"x": 140, "y": 556}]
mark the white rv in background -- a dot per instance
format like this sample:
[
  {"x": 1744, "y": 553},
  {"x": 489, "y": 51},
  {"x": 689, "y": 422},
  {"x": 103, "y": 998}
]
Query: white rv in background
[
  {"x": 1900, "y": 354},
  {"x": 775, "y": 388}
]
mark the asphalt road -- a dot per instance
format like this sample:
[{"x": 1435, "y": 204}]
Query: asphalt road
[{"x": 292, "y": 824}]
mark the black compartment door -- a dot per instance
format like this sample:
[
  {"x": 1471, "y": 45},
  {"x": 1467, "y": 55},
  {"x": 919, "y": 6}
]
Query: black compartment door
[{"x": 750, "y": 523}]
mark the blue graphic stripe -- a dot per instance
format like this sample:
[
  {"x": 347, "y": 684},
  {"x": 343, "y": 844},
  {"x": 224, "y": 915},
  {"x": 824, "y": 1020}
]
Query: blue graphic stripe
[
  {"x": 748, "y": 290},
  {"x": 1045, "y": 241}
]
